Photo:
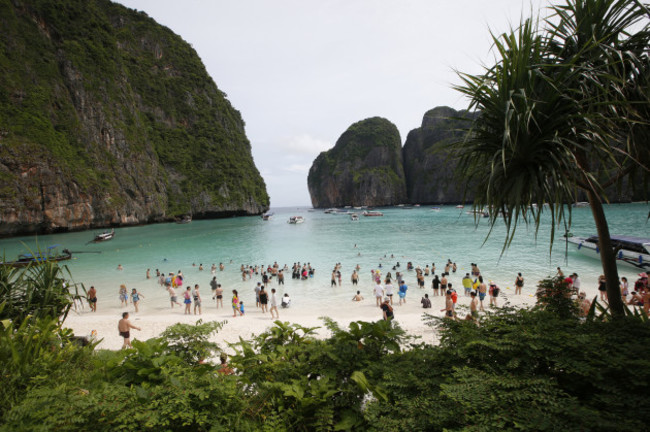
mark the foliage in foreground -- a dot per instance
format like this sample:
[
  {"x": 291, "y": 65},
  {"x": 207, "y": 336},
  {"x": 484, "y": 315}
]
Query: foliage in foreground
[{"x": 539, "y": 369}]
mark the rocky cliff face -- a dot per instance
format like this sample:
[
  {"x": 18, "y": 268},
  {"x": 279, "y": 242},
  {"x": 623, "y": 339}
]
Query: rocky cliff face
[
  {"x": 107, "y": 118},
  {"x": 363, "y": 168},
  {"x": 428, "y": 164}
]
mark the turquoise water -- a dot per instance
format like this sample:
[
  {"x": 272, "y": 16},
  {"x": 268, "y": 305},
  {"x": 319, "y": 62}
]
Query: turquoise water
[{"x": 419, "y": 235}]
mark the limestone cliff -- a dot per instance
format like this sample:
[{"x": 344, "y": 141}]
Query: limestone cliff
[
  {"x": 108, "y": 118},
  {"x": 363, "y": 168},
  {"x": 428, "y": 165}
]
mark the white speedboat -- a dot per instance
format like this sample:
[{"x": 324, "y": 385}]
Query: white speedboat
[
  {"x": 354, "y": 216},
  {"x": 631, "y": 251},
  {"x": 372, "y": 213},
  {"x": 296, "y": 220},
  {"x": 267, "y": 216}
]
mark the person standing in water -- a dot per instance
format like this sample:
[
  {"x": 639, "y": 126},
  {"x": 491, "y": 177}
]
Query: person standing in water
[
  {"x": 187, "y": 299},
  {"x": 219, "y": 293},
  {"x": 519, "y": 283},
  {"x": 135, "y": 298}
]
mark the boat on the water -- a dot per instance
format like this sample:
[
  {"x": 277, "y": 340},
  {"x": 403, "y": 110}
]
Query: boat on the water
[
  {"x": 435, "y": 208},
  {"x": 183, "y": 220},
  {"x": 483, "y": 213},
  {"x": 39, "y": 258},
  {"x": 460, "y": 206},
  {"x": 354, "y": 216},
  {"x": 372, "y": 213},
  {"x": 631, "y": 251},
  {"x": 267, "y": 216},
  {"x": 105, "y": 236},
  {"x": 296, "y": 220}
]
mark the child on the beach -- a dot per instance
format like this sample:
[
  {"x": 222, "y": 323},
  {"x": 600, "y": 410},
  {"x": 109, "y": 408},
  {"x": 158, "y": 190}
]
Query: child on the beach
[
  {"x": 124, "y": 296},
  {"x": 135, "y": 298},
  {"x": 241, "y": 308}
]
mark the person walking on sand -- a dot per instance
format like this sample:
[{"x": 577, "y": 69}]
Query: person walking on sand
[
  {"x": 187, "y": 299},
  {"x": 213, "y": 287},
  {"x": 602, "y": 287},
  {"x": 197, "y": 299},
  {"x": 388, "y": 288},
  {"x": 235, "y": 304},
  {"x": 449, "y": 306},
  {"x": 264, "y": 299},
  {"x": 219, "y": 294},
  {"x": 387, "y": 310},
  {"x": 274, "y": 305},
  {"x": 473, "y": 308},
  {"x": 379, "y": 293},
  {"x": 402, "y": 292},
  {"x": 519, "y": 283},
  {"x": 172, "y": 296},
  {"x": 482, "y": 291},
  {"x": 124, "y": 326},
  {"x": 494, "y": 293},
  {"x": 135, "y": 298},
  {"x": 257, "y": 290},
  {"x": 124, "y": 295},
  {"x": 92, "y": 298},
  {"x": 354, "y": 277}
]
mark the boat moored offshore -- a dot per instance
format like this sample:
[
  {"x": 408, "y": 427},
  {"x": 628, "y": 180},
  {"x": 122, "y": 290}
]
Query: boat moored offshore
[{"x": 631, "y": 251}]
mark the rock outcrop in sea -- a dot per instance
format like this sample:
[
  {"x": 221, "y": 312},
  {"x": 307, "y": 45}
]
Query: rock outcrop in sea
[
  {"x": 108, "y": 118},
  {"x": 363, "y": 168},
  {"x": 367, "y": 166},
  {"x": 427, "y": 156}
]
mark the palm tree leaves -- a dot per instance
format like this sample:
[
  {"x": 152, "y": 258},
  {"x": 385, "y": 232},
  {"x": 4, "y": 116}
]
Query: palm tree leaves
[{"x": 557, "y": 111}]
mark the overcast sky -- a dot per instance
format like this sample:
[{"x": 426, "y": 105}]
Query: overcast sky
[{"x": 302, "y": 71}]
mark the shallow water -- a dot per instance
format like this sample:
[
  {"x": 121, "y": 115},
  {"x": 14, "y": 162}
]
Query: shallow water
[{"x": 420, "y": 235}]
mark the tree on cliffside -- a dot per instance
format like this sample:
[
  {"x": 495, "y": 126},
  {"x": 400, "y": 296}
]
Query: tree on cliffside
[{"x": 564, "y": 109}]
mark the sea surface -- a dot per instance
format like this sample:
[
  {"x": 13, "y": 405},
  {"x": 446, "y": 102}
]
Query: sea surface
[{"x": 421, "y": 235}]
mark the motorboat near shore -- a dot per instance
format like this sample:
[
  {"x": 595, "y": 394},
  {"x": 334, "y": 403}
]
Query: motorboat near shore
[
  {"x": 354, "y": 216},
  {"x": 631, "y": 251},
  {"x": 39, "y": 258},
  {"x": 105, "y": 236},
  {"x": 372, "y": 213},
  {"x": 296, "y": 220},
  {"x": 267, "y": 216}
]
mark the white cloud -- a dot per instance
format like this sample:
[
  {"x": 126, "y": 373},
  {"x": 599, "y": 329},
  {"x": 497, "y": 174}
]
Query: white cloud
[
  {"x": 298, "y": 168},
  {"x": 304, "y": 144}
]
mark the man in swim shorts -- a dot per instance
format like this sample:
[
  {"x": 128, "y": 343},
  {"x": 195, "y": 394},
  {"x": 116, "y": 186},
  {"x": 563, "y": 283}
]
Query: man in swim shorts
[
  {"x": 124, "y": 326},
  {"x": 92, "y": 298}
]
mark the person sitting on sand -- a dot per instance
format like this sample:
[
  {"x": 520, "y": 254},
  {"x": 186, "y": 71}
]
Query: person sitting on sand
[
  {"x": 426, "y": 303},
  {"x": 357, "y": 297},
  {"x": 286, "y": 301}
]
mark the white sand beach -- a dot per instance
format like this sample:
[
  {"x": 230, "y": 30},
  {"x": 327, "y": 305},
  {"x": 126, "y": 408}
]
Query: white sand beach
[{"x": 155, "y": 313}]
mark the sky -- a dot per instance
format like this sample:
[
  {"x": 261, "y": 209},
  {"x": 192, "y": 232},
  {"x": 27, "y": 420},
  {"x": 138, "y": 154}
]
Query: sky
[{"x": 302, "y": 71}]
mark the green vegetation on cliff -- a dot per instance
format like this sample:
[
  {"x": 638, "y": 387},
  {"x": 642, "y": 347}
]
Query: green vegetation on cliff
[
  {"x": 363, "y": 168},
  {"x": 120, "y": 106}
]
